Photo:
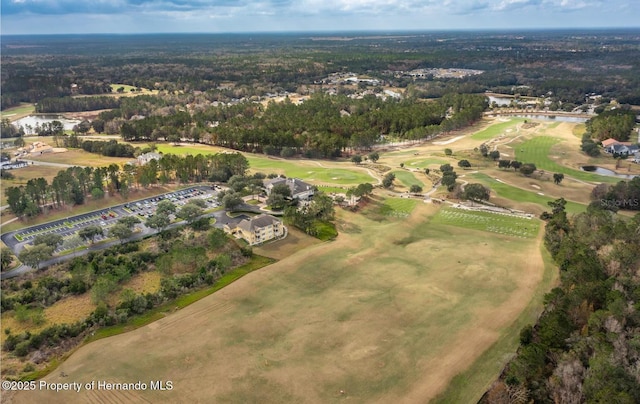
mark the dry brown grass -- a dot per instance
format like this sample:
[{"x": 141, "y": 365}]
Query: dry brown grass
[
  {"x": 70, "y": 309},
  {"x": 390, "y": 311},
  {"x": 81, "y": 158}
]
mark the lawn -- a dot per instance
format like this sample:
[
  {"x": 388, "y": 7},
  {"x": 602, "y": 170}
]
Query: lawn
[
  {"x": 398, "y": 207},
  {"x": 521, "y": 195},
  {"x": 496, "y": 129},
  {"x": 504, "y": 224},
  {"x": 390, "y": 313},
  {"x": 80, "y": 157},
  {"x": 537, "y": 151},
  {"x": 193, "y": 149},
  {"x": 407, "y": 178},
  {"x": 316, "y": 172},
  {"x": 18, "y": 112}
]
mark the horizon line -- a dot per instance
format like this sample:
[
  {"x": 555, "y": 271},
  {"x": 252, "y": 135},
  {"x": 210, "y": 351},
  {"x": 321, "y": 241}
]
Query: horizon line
[{"x": 341, "y": 31}]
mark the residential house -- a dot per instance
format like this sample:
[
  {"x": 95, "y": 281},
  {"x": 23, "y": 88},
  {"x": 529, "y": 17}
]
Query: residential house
[
  {"x": 616, "y": 148},
  {"x": 300, "y": 190},
  {"x": 147, "y": 157},
  {"x": 636, "y": 158},
  {"x": 258, "y": 229}
]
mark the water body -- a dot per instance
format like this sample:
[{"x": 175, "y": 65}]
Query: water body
[
  {"x": 553, "y": 118},
  {"x": 607, "y": 172},
  {"x": 37, "y": 120}
]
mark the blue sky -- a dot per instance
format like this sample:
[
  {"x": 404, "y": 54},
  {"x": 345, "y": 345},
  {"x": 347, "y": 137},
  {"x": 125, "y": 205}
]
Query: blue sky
[{"x": 150, "y": 16}]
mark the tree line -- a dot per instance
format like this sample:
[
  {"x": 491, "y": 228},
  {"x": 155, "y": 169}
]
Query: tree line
[
  {"x": 584, "y": 346},
  {"x": 76, "y": 104},
  {"x": 73, "y": 185},
  {"x": 321, "y": 126}
]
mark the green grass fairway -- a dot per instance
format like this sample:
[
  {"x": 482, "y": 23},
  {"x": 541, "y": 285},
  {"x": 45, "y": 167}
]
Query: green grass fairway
[
  {"x": 507, "y": 225},
  {"x": 322, "y": 172},
  {"x": 423, "y": 163},
  {"x": 398, "y": 207},
  {"x": 310, "y": 171},
  {"x": 18, "y": 112},
  {"x": 407, "y": 178},
  {"x": 390, "y": 311},
  {"x": 537, "y": 151},
  {"x": 496, "y": 129},
  {"x": 520, "y": 195},
  {"x": 194, "y": 150}
]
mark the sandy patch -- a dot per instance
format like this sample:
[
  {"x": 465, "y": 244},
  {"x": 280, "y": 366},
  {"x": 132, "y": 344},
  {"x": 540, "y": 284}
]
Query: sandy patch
[{"x": 443, "y": 142}]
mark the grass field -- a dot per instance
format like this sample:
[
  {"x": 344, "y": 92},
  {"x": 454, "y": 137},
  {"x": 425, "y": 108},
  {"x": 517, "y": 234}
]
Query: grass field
[
  {"x": 537, "y": 151},
  {"x": 496, "y": 129},
  {"x": 323, "y": 172},
  {"x": 18, "y": 112},
  {"x": 398, "y": 207},
  {"x": 516, "y": 194},
  {"x": 491, "y": 222},
  {"x": 80, "y": 158},
  {"x": 407, "y": 178},
  {"x": 364, "y": 318}
]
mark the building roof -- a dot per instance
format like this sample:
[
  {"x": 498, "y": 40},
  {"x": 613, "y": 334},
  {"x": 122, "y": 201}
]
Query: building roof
[
  {"x": 609, "y": 142},
  {"x": 296, "y": 185},
  {"x": 258, "y": 222}
]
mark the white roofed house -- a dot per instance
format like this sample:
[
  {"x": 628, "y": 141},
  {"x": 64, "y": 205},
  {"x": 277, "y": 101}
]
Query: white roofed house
[
  {"x": 147, "y": 157},
  {"x": 300, "y": 190},
  {"x": 258, "y": 229}
]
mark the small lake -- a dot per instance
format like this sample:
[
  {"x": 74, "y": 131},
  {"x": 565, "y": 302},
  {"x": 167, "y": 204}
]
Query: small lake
[
  {"x": 37, "y": 120},
  {"x": 607, "y": 172},
  {"x": 553, "y": 118}
]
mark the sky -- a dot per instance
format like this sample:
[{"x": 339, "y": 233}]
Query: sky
[{"x": 220, "y": 16}]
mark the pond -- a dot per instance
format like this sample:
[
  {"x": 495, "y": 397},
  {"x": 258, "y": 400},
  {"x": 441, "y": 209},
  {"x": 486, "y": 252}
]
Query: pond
[
  {"x": 553, "y": 118},
  {"x": 29, "y": 123},
  {"x": 607, "y": 172}
]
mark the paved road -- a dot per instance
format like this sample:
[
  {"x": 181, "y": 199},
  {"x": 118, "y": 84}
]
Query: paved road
[{"x": 46, "y": 163}]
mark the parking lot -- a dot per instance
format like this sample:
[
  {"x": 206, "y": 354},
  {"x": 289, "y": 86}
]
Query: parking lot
[{"x": 68, "y": 228}]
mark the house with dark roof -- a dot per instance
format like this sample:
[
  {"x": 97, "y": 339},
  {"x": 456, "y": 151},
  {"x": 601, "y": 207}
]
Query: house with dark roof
[
  {"x": 299, "y": 189},
  {"x": 617, "y": 148},
  {"x": 258, "y": 229}
]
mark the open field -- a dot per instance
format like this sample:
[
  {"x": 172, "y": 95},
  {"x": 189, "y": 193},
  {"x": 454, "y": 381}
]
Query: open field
[
  {"x": 15, "y": 113},
  {"x": 538, "y": 150},
  {"x": 497, "y": 129},
  {"x": 316, "y": 172},
  {"x": 364, "y": 318},
  {"x": 489, "y": 222},
  {"x": 524, "y": 199},
  {"x": 80, "y": 158}
]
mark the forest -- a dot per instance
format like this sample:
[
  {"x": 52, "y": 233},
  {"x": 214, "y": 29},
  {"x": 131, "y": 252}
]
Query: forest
[
  {"x": 565, "y": 65},
  {"x": 585, "y": 346}
]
